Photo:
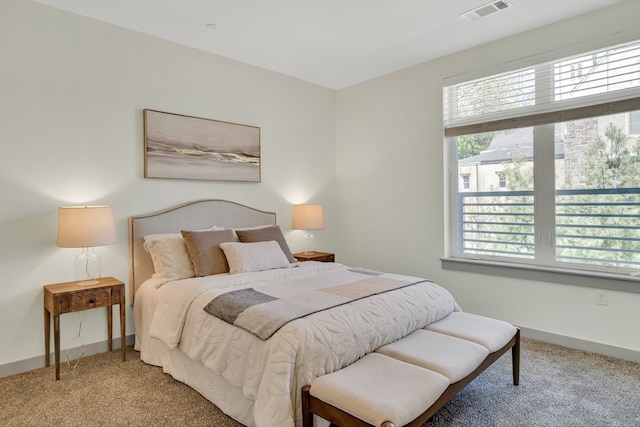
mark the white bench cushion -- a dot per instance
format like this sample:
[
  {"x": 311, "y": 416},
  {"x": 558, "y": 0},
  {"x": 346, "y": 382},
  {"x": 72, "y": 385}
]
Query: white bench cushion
[
  {"x": 378, "y": 388},
  {"x": 452, "y": 357},
  {"x": 491, "y": 333}
]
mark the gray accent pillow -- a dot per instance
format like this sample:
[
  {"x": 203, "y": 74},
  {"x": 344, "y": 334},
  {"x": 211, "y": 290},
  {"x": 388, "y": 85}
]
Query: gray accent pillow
[
  {"x": 204, "y": 248},
  {"x": 264, "y": 235}
]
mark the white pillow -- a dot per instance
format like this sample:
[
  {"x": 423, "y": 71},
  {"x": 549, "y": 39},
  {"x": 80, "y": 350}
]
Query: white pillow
[
  {"x": 249, "y": 257},
  {"x": 171, "y": 260},
  {"x": 170, "y": 256}
]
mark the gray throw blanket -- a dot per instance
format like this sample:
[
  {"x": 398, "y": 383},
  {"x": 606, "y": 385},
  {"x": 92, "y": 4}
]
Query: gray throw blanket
[{"x": 264, "y": 310}]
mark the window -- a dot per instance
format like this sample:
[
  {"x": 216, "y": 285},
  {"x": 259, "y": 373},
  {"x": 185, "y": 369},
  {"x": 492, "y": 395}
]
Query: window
[
  {"x": 466, "y": 184},
  {"x": 576, "y": 71},
  {"x": 563, "y": 139},
  {"x": 502, "y": 179},
  {"x": 634, "y": 123}
]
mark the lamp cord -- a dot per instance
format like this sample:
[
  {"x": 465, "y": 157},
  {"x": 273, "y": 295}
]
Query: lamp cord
[{"x": 77, "y": 337}]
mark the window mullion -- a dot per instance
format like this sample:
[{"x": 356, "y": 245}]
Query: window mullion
[
  {"x": 544, "y": 190},
  {"x": 544, "y": 172}
]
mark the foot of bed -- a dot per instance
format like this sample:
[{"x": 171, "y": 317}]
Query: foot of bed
[{"x": 515, "y": 355}]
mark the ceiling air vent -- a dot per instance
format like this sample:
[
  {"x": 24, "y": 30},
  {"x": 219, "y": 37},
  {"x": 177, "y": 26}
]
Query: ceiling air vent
[{"x": 485, "y": 10}]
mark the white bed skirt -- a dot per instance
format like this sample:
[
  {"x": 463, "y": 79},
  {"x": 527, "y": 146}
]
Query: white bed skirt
[{"x": 213, "y": 387}]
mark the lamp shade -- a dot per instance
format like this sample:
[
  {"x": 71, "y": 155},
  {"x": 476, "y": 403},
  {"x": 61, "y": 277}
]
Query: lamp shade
[
  {"x": 308, "y": 217},
  {"x": 85, "y": 226}
]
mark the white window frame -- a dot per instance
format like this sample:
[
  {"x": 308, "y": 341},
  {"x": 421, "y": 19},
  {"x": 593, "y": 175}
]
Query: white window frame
[{"x": 620, "y": 101}]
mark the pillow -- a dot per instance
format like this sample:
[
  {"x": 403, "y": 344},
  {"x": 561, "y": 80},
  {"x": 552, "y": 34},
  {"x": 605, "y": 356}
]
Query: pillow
[
  {"x": 255, "y": 227},
  {"x": 258, "y": 256},
  {"x": 265, "y": 234},
  {"x": 204, "y": 250},
  {"x": 170, "y": 257}
]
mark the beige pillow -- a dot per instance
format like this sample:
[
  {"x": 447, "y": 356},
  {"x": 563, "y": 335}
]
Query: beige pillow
[
  {"x": 255, "y": 227},
  {"x": 251, "y": 257},
  {"x": 265, "y": 234},
  {"x": 205, "y": 252},
  {"x": 170, "y": 257}
]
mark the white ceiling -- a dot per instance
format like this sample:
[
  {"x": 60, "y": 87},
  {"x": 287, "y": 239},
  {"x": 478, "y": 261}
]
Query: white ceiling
[{"x": 332, "y": 43}]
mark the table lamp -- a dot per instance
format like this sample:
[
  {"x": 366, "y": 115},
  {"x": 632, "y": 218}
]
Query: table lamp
[
  {"x": 308, "y": 217},
  {"x": 85, "y": 227}
]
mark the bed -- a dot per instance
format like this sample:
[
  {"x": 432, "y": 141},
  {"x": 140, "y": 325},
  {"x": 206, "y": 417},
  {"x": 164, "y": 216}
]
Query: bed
[{"x": 252, "y": 374}]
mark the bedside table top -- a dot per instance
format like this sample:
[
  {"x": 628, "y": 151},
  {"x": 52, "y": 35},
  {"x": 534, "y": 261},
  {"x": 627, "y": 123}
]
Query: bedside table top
[
  {"x": 315, "y": 256},
  {"x": 312, "y": 254},
  {"x": 103, "y": 282}
]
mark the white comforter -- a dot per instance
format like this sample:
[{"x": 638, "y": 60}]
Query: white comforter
[{"x": 271, "y": 372}]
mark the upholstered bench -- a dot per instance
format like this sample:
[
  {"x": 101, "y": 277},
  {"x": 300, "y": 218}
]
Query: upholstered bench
[{"x": 404, "y": 383}]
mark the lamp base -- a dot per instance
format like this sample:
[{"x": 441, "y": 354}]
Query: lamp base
[
  {"x": 310, "y": 242},
  {"x": 88, "y": 267}
]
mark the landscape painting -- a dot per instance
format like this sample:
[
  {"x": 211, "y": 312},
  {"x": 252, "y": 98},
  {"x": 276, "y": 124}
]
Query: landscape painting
[{"x": 184, "y": 147}]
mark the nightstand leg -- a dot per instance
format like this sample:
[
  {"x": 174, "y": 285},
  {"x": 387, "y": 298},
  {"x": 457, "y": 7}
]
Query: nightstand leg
[
  {"x": 47, "y": 336},
  {"x": 56, "y": 342},
  {"x": 110, "y": 326}
]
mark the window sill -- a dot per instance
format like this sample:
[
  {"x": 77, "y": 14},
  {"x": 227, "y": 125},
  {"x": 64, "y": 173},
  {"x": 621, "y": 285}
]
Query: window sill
[{"x": 592, "y": 279}]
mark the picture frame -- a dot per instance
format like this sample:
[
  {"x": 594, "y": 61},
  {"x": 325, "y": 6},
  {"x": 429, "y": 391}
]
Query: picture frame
[{"x": 185, "y": 147}]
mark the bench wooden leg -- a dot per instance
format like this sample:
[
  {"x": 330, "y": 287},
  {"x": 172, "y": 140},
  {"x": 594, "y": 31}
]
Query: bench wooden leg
[
  {"x": 307, "y": 415},
  {"x": 515, "y": 356}
]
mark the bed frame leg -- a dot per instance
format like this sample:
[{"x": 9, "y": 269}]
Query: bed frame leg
[
  {"x": 515, "y": 356},
  {"x": 307, "y": 415}
]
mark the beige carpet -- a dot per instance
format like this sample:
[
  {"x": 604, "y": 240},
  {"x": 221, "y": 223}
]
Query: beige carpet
[{"x": 559, "y": 387}]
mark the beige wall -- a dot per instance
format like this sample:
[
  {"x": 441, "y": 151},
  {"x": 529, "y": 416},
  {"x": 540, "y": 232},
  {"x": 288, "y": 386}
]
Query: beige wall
[
  {"x": 72, "y": 94},
  {"x": 393, "y": 179}
]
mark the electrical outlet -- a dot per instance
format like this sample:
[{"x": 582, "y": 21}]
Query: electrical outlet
[{"x": 602, "y": 298}]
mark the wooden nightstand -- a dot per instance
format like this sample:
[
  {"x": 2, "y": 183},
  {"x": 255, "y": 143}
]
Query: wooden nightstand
[
  {"x": 69, "y": 297},
  {"x": 315, "y": 256}
]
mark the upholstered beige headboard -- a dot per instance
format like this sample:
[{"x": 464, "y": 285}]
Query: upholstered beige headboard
[{"x": 187, "y": 216}]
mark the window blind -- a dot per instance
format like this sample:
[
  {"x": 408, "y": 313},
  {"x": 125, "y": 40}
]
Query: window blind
[{"x": 600, "y": 82}]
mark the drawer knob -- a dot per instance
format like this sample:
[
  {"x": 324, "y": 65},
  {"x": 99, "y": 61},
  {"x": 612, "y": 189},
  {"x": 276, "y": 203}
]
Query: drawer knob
[{"x": 91, "y": 301}]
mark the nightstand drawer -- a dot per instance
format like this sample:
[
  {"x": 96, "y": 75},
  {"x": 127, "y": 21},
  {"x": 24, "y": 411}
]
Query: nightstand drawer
[{"x": 85, "y": 300}]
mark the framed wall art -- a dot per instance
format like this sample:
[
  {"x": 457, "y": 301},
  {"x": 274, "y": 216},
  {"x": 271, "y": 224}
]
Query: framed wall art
[{"x": 185, "y": 147}]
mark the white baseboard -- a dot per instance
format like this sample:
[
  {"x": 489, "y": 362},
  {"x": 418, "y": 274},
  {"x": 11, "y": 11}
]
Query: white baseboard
[
  {"x": 590, "y": 346},
  {"x": 24, "y": 365}
]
